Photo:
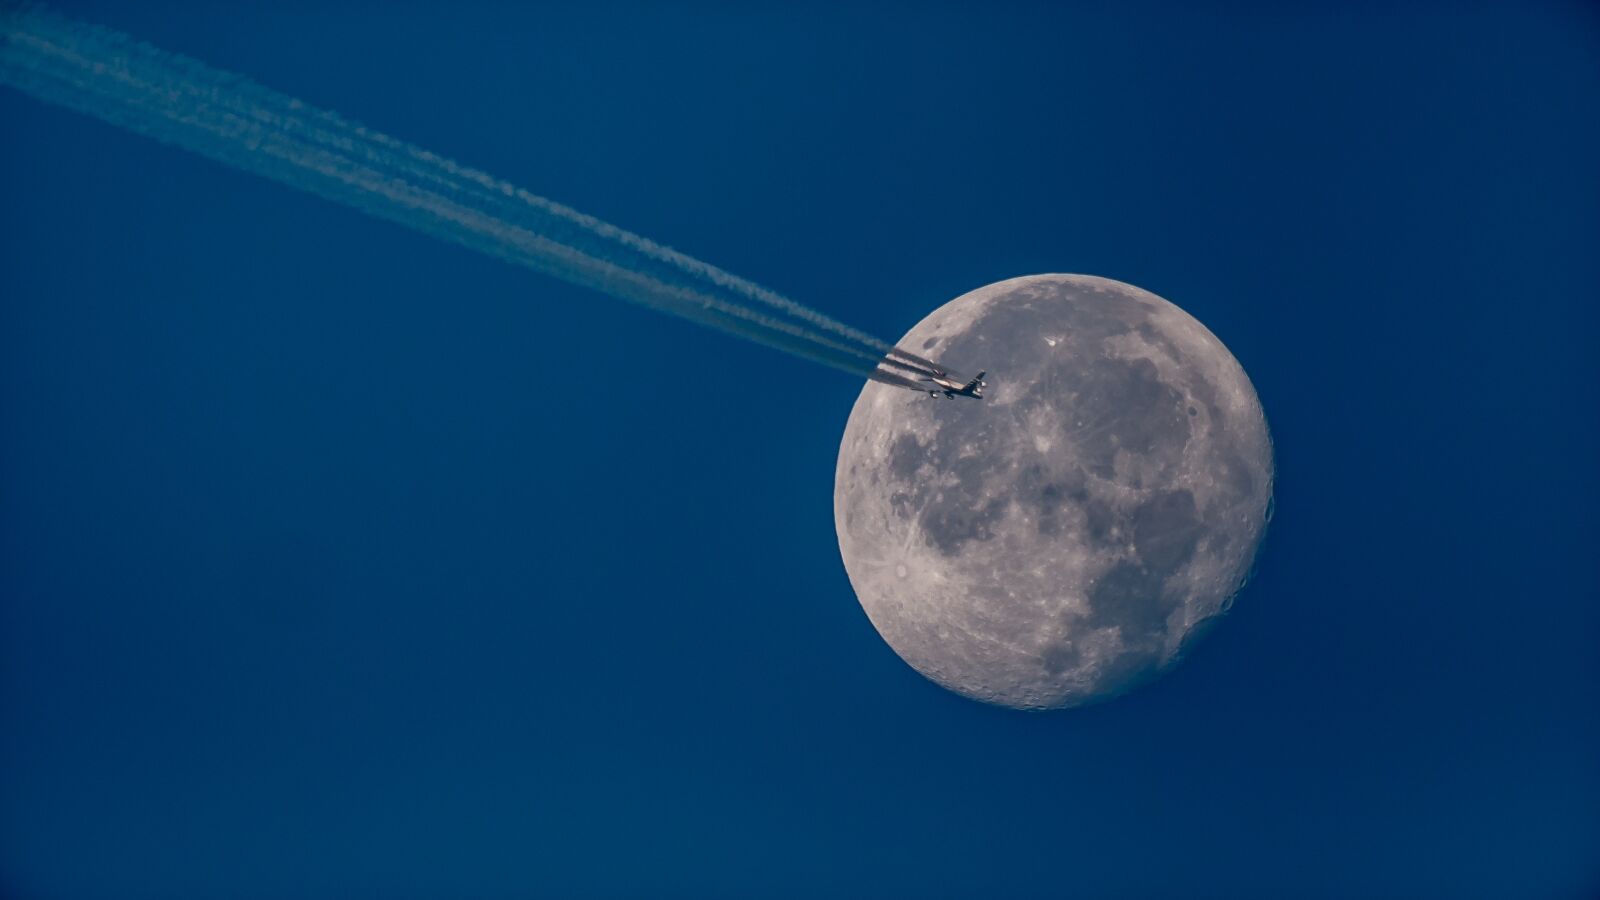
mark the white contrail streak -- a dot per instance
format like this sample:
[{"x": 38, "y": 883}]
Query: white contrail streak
[{"x": 228, "y": 118}]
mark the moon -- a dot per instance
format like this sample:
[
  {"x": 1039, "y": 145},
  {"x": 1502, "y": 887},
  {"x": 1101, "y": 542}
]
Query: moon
[{"x": 1067, "y": 537}]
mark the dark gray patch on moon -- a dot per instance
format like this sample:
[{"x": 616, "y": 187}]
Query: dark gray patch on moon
[
  {"x": 1065, "y": 538},
  {"x": 1165, "y": 530},
  {"x": 906, "y": 457}
]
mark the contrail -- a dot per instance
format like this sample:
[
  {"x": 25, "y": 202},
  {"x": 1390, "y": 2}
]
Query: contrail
[
  {"x": 896, "y": 380},
  {"x": 331, "y": 128},
  {"x": 911, "y": 361},
  {"x": 233, "y": 120}
]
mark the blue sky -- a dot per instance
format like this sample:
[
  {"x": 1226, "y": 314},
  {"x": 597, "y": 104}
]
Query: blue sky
[{"x": 336, "y": 560}]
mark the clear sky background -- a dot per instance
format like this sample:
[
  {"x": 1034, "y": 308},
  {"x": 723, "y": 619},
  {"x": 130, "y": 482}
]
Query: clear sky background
[{"x": 338, "y": 561}]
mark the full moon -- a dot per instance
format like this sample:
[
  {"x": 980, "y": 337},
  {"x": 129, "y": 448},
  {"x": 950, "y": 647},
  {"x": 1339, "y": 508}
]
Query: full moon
[{"x": 1066, "y": 537}]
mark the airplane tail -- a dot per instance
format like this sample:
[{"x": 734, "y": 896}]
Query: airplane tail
[{"x": 975, "y": 386}]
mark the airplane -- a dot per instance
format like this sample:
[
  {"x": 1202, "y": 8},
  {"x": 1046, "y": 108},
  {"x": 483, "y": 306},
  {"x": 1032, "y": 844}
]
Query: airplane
[
  {"x": 950, "y": 388},
  {"x": 925, "y": 375}
]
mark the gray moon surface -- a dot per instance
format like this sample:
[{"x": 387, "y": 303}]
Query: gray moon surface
[{"x": 1067, "y": 537}]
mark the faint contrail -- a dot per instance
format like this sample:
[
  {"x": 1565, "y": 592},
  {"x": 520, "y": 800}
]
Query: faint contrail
[{"x": 231, "y": 119}]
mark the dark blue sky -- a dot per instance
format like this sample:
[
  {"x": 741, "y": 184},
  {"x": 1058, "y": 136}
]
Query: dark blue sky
[{"x": 338, "y": 561}]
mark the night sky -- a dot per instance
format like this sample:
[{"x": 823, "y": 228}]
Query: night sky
[{"x": 340, "y": 561}]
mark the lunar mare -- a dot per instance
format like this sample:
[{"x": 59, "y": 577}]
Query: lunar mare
[{"x": 1065, "y": 538}]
